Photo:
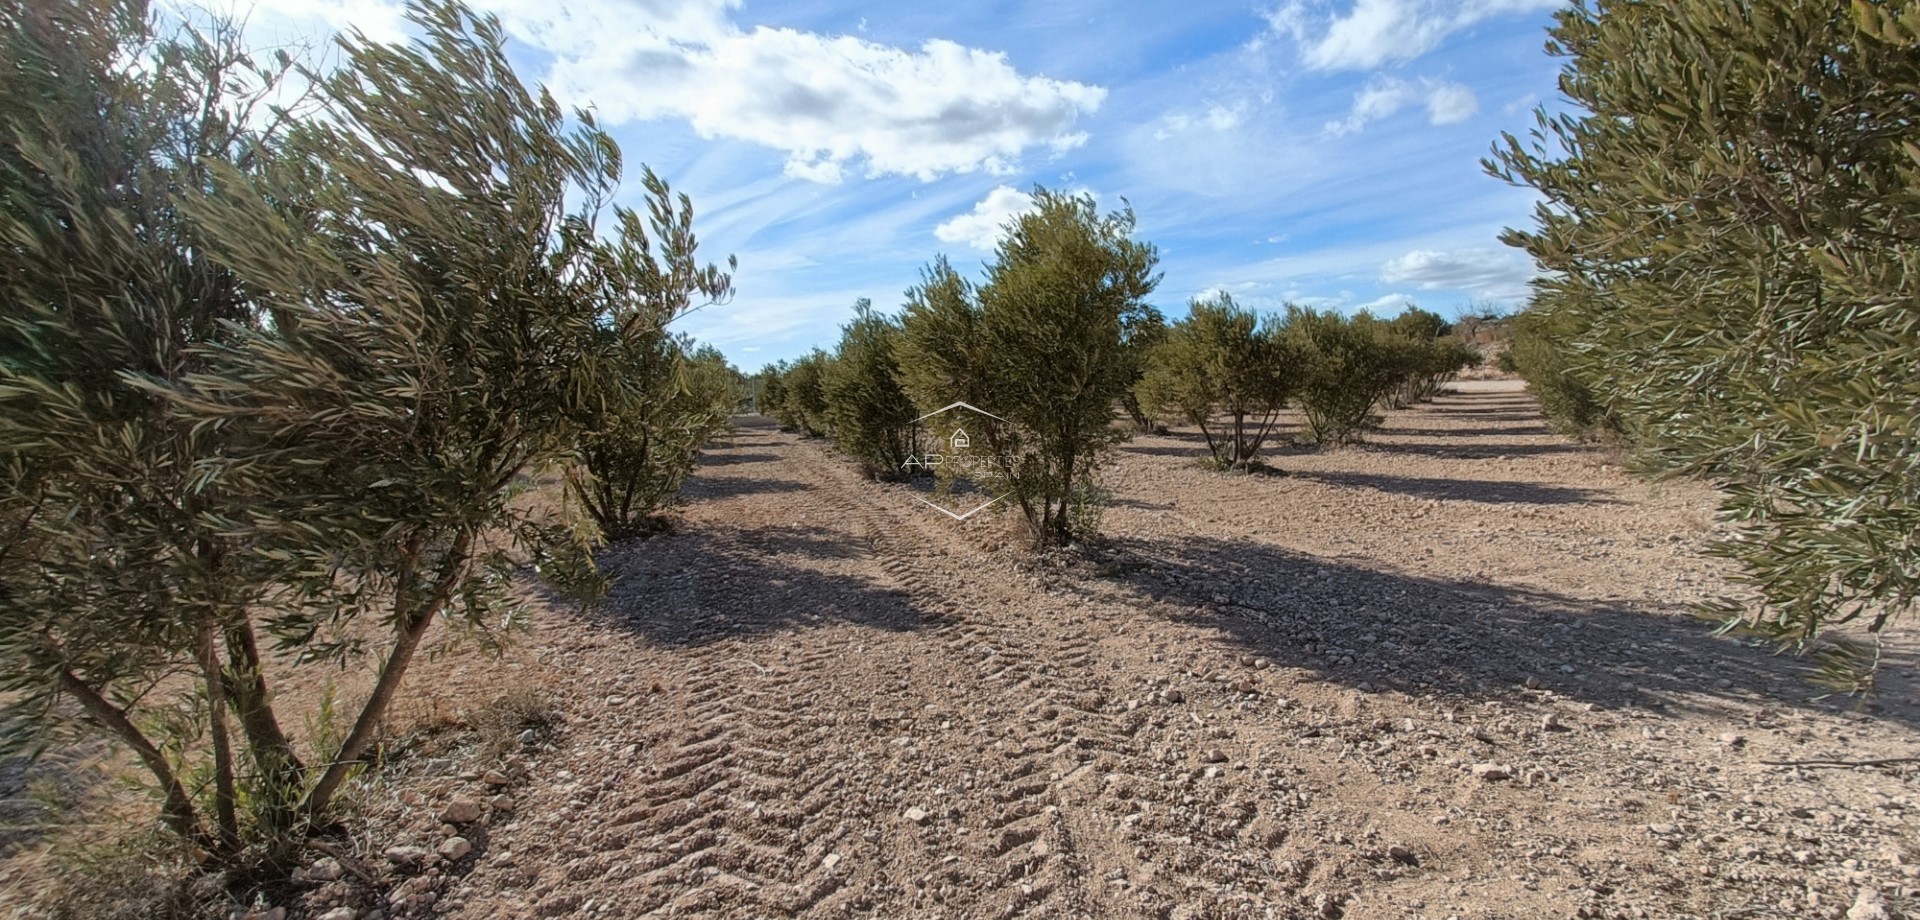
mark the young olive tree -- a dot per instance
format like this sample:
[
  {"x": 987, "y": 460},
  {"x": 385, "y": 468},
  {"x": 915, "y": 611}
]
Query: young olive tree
[
  {"x": 1348, "y": 365},
  {"x": 803, "y": 395},
  {"x": 1731, "y": 240},
  {"x": 659, "y": 400},
  {"x": 125, "y": 588},
  {"x": 1143, "y": 332},
  {"x": 1222, "y": 359},
  {"x": 428, "y": 257},
  {"x": 1043, "y": 345},
  {"x": 869, "y": 414},
  {"x": 670, "y": 401},
  {"x": 1435, "y": 356}
]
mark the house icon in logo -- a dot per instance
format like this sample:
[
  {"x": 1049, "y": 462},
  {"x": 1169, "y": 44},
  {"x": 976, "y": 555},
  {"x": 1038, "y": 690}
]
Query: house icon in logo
[{"x": 960, "y": 440}]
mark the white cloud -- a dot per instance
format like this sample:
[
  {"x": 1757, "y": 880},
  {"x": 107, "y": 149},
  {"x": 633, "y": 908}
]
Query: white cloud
[
  {"x": 831, "y": 104},
  {"x": 1389, "y": 304},
  {"x": 272, "y": 22},
  {"x": 1450, "y": 104},
  {"x": 1217, "y": 117},
  {"x": 1373, "y": 33},
  {"x": 1446, "y": 103},
  {"x": 982, "y": 227},
  {"x": 1487, "y": 273}
]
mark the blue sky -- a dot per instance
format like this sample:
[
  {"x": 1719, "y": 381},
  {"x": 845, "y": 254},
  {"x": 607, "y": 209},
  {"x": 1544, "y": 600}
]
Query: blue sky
[{"x": 1323, "y": 152}]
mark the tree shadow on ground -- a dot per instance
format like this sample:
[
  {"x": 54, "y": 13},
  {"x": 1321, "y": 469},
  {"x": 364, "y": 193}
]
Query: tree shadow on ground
[
  {"x": 1472, "y": 450},
  {"x": 1355, "y": 625},
  {"x": 1190, "y": 450},
  {"x": 712, "y": 457},
  {"x": 1481, "y": 414},
  {"x": 701, "y": 586},
  {"x": 1142, "y": 505},
  {"x": 712, "y": 487},
  {"x": 36, "y": 794},
  {"x": 1468, "y": 434},
  {"x": 1474, "y": 490}
]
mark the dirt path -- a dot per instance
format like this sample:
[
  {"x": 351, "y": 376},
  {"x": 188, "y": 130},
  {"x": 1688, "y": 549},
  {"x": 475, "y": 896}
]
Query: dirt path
[{"x": 1444, "y": 675}]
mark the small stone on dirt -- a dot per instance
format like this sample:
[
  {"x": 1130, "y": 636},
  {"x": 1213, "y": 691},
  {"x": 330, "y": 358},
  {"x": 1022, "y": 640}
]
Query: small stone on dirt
[
  {"x": 833, "y": 859},
  {"x": 917, "y": 815},
  {"x": 495, "y": 778},
  {"x": 1216, "y": 755},
  {"x": 407, "y": 855},
  {"x": 340, "y": 913},
  {"x": 461, "y": 810},
  {"x": 1492, "y": 771},
  {"x": 1533, "y": 683},
  {"x": 326, "y": 869},
  {"x": 1402, "y": 854},
  {"x": 1173, "y": 696},
  {"x": 502, "y": 803},
  {"x": 1551, "y": 723},
  {"x": 453, "y": 848}
]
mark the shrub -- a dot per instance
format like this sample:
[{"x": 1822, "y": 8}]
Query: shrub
[{"x": 1222, "y": 359}]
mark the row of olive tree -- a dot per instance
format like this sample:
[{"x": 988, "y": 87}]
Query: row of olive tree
[
  {"x": 1059, "y": 334},
  {"x": 1731, "y": 237},
  {"x": 1228, "y": 372},
  {"x": 271, "y": 379}
]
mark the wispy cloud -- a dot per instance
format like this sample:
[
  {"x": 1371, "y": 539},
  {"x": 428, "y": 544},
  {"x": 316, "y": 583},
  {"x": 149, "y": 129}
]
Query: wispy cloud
[
  {"x": 1484, "y": 272},
  {"x": 1446, "y": 103},
  {"x": 1374, "y": 33}
]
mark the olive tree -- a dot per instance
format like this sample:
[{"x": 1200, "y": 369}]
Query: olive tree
[
  {"x": 1222, "y": 359},
  {"x": 870, "y": 415},
  {"x": 802, "y": 389},
  {"x": 659, "y": 400},
  {"x": 281, "y": 387},
  {"x": 1348, "y": 366},
  {"x": 1043, "y": 344},
  {"x": 124, "y": 586},
  {"x": 429, "y": 257},
  {"x": 1730, "y": 231}
]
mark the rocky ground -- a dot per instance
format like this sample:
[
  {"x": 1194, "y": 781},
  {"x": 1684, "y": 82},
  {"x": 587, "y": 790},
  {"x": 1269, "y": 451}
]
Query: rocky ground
[{"x": 1446, "y": 674}]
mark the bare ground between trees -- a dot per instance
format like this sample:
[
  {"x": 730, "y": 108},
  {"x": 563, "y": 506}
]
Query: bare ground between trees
[{"x": 1448, "y": 673}]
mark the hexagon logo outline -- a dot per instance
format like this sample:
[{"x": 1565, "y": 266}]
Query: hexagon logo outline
[{"x": 959, "y": 442}]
